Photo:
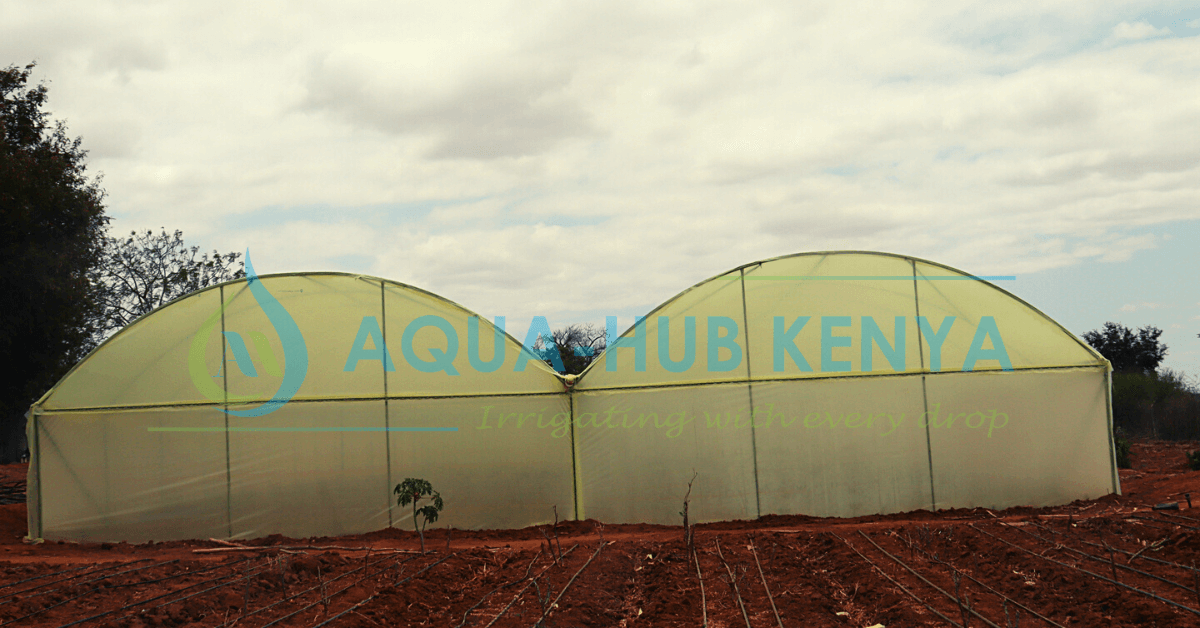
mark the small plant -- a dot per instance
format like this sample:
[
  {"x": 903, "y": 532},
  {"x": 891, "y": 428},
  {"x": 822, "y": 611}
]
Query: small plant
[
  {"x": 413, "y": 490},
  {"x": 687, "y": 526},
  {"x": 1122, "y": 446},
  {"x": 1193, "y": 458}
]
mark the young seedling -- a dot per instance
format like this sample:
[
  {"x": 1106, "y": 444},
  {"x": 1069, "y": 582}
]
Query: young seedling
[
  {"x": 413, "y": 490},
  {"x": 549, "y": 544},
  {"x": 555, "y": 528},
  {"x": 687, "y": 528}
]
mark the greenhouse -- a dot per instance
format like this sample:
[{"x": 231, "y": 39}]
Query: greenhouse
[{"x": 825, "y": 384}]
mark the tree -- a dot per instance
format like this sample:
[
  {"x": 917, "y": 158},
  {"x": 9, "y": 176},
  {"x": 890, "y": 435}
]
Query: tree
[
  {"x": 144, "y": 271},
  {"x": 577, "y": 346},
  {"x": 1129, "y": 352},
  {"x": 411, "y": 491},
  {"x": 51, "y": 235}
]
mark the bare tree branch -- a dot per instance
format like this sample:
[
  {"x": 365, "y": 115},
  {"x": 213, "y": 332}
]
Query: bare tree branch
[{"x": 144, "y": 271}]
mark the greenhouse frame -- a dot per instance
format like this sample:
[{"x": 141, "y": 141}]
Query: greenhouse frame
[{"x": 832, "y": 384}]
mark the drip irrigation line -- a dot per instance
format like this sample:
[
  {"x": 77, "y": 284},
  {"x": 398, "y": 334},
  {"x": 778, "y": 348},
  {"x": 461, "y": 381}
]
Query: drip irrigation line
[
  {"x": 550, "y": 608},
  {"x": 142, "y": 582},
  {"x": 212, "y": 588},
  {"x": 95, "y": 569},
  {"x": 264, "y": 548},
  {"x": 177, "y": 575},
  {"x": 352, "y": 608},
  {"x": 165, "y": 562},
  {"x": 1132, "y": 555},
  {"x": 733, "y": 584},
  {"x": 956, "y": 600},
  {"x": 895, "y": 582},
  {"x": 700, "y": 576},
  {"x": 426, "y": 568},
  {"x": 526, "y": 587},
  {"x": 296, "y": 595},
  {"x": 14, "y": 596},
  {"x": 1170, "y": 522},
  {"x": 320, "y": 585},
  {"x": 85, "y": 593},
  {"x": 1101, "y": 560},
  {"x": 528, "y": 570},
  {"x": 372, "y": 596},
  {"x": 1161, "y": 523},
  {"x": 764, "y": 581},
  {"x": 140, "y": 602},
  {"x": 979, "y": 582},
  {"x": 326, "y": 597},
  {"x": 1092, "y": 574},
  {"x": 1179, "y": 516}
]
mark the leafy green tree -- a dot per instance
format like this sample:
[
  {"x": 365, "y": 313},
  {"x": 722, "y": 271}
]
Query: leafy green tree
[
  {"x": 145, "y": 271},
  {"x": 1129, "y": 351},
  {"x": 52, "y": 225},
  {"x": 413, "y": 490}
]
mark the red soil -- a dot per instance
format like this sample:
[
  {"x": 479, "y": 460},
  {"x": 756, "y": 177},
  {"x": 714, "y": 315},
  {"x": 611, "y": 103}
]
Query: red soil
[{"x": 814, "y": 572}]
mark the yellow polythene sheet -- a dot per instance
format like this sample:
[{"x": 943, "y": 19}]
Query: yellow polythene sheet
[
  {"x": 147, "y": 362},
  {"x": 415, "y": 315},
  {"x": 328, "y": 311},
  {"x": 110, "y": 477},
  {"x": 327, "y": 460},
  {"x": 1019, "y": 438},
  {"x": 827, "y": 384},
  {"x": 639, "y": 448},
  {"x": 805, "y": 295},
  {"x": 508, "y": 465},
  {"x": 1030, "y": 338},
  {"x": 841, "y": 447}
]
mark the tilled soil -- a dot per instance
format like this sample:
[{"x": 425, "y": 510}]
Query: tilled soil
[{"x": 1108, "y": 562}]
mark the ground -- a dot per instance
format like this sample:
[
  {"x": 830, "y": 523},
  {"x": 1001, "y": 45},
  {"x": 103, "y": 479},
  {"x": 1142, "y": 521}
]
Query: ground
[{"x": 1113, "y": 561}]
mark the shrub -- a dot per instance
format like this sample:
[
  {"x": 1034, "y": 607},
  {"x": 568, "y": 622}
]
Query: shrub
[
  {"x": 1122, "y": 446},
  {"x": 1158, "y": 405},
  {"x": 1193, "y": 458}
]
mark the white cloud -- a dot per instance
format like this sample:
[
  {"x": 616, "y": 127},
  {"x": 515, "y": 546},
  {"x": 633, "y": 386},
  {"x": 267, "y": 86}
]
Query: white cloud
[
  {"x": 1137, "y": 30},
  {"x": 1134, "y": 307},
  {"x": 608, "y": 155},
  {"x": 498, "y": 113}
]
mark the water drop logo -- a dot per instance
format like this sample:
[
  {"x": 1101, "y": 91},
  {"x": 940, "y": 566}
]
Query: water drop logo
[{"x": 295, "y": 352}]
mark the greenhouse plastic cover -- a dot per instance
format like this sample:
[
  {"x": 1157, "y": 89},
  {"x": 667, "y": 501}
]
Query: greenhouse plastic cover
[{"x": 826, "y": 384}]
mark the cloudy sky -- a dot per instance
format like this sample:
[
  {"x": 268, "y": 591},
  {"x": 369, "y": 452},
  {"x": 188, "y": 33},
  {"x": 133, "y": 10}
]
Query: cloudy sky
[{"x": 580, "y": 159}]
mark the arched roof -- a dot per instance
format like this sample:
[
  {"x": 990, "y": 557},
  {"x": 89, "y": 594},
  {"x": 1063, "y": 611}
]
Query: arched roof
[
  {"x": 846, "y": 296},
  {"x": 173, "y": 357}
]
